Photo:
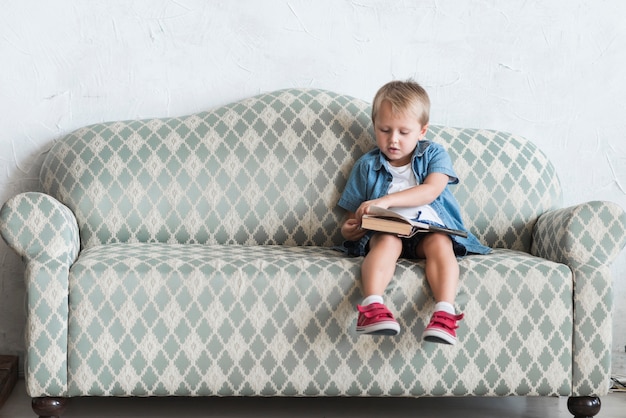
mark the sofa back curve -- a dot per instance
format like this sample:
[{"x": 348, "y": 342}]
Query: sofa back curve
[{"x": 269, "y": 170}]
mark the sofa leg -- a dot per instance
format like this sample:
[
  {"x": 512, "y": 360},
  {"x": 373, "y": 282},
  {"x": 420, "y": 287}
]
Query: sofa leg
[
  {"x": 583, "y": 406},
  {"x": 49, "y": 407}
]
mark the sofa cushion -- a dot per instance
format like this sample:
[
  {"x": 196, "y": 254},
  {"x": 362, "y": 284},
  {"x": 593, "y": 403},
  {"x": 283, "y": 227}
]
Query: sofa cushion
[{"x": 195, "y": 320}]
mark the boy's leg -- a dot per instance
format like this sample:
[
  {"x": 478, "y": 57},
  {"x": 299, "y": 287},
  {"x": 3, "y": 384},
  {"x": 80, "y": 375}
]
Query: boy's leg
[
  {"x": 377, "y": 271},
  {"x": 442, "y": 273},
  {"x": 379, "y": 264},
  {"x": 442, "y": 268}
]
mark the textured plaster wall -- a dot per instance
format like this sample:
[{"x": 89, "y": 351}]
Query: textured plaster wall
[{"x": 550, "y": 70}]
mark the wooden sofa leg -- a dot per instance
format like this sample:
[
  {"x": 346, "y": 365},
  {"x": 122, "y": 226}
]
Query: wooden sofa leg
[
  {"x": 583, "y": 406},
  {"x": 49, "y": 407}
]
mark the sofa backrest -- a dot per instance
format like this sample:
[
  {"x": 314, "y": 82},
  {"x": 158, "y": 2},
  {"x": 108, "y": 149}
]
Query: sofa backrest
[{"x": 269, "y": 170}]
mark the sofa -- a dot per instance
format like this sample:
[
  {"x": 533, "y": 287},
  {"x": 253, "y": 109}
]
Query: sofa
[{"x": 197, "y": 256}]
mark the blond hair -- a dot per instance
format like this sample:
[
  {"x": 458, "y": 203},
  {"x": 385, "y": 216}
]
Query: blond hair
[{"x": 404, "y": 96}]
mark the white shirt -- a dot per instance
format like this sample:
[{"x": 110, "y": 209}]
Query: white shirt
[{"x": 404, "y": 178}]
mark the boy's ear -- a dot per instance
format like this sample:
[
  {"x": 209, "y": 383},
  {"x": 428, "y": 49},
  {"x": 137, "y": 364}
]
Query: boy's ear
[{"x": 423, "y": 131}]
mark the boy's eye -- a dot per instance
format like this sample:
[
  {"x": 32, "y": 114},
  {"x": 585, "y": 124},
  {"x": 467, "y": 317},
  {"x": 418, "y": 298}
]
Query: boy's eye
[{"x": 387, "y": 130}]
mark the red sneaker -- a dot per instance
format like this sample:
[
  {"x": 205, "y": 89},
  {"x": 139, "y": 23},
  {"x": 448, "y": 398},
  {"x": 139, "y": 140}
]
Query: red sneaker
[
  {"x": 442, "y": 328},
  {"x": 375, "y": 319}
]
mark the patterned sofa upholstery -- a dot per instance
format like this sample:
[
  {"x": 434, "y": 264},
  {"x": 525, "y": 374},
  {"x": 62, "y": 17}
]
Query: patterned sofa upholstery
[{"x": 193, "y": 256}]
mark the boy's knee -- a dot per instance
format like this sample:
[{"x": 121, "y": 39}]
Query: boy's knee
[
  {"x": 387, "y": 240},
  {"x": 436, "y": 242}
]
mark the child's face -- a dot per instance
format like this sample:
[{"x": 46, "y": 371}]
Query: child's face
[{"x": 397, "y": 134}]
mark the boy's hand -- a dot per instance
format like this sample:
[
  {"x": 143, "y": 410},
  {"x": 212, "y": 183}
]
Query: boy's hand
[
  {"x": 351, "y": 229},
  {"x": 364, "y": 208}
]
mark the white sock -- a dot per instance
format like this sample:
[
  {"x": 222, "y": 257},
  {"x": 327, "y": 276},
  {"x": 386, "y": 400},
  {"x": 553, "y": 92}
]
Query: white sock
[
  {"x": 446, "y": 307},
  {"x": 372, "y": 299}
]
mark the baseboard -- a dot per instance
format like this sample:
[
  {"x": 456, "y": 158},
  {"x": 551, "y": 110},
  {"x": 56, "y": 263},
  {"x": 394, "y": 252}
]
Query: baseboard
[{"x": 8, "y": 376}]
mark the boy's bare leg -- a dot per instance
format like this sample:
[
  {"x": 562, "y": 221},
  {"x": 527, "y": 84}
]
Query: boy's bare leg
[
  {"x": 376, "y": 273},
  {"x": 380, "y": 263},
  {"x": 442, "y": 267},
  {"x": 442, "y": 273}
]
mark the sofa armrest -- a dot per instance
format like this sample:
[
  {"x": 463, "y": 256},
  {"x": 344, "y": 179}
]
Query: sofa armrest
[
  {"x": 590, "y": 233},
  {"x": 35, "y": 224},
  {"x": 587, "y": 238},
  {"x": 45, "y": 234}
]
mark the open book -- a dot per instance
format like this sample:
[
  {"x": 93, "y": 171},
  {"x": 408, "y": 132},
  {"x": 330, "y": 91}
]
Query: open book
[{"x": 384, "y": 220}]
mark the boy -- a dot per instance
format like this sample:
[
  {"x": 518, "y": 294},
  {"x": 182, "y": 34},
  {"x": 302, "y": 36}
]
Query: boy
[{"x": 409, "y": 175}]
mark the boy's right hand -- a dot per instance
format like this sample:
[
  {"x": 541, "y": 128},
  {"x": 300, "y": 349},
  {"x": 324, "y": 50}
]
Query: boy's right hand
[{"x": 351, "y": 230}]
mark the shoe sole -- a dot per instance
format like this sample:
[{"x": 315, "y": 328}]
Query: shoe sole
[
  {"x": 440, "y": 337},
  {"x": 386, "y": 328}
]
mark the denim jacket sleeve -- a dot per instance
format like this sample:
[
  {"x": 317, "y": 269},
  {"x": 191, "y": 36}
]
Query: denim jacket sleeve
[{"x": 366, "y": 182}]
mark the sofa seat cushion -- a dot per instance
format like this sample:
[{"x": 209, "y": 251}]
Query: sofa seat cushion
[{"x": 192, "y": 320}]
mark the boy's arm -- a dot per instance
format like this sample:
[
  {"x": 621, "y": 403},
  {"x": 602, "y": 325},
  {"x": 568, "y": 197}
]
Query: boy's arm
[{"x": 422, "y": 194}]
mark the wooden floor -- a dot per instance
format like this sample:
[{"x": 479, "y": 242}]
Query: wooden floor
[{"x": 18, "y": 406}]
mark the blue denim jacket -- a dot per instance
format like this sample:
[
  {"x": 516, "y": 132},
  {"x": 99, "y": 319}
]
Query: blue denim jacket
[{"x": 370, "y": 179}]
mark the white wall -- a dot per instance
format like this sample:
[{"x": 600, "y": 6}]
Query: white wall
[{"x": 550, "y": 70}]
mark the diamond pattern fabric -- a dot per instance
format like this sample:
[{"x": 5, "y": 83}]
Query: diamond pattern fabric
[
  {"x": 159, "y": 319},
  {"x": 587, "y": 238},
  {"x": 44, "y": 233},
  {"x": 194, "y": 256},
  {"x": 210, "y": 178},
  {"x": 282, "y": 158}
]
